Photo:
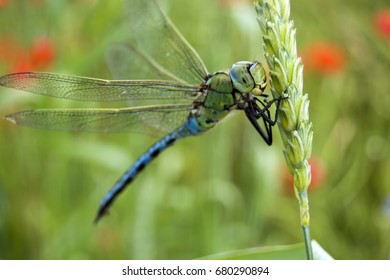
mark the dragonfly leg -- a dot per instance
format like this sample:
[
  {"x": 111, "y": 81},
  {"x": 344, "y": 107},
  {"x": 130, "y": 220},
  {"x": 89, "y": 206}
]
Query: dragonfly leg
[
  {"x": 255, "y": 112},
  {"x": 253, "y": 117},
  {"x": 265, "y": 108}
]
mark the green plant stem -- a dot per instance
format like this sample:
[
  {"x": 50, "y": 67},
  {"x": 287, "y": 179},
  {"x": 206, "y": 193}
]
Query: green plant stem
[
  {"x": 305, "y": 222},
  {"x": 286, "y": 78},
  {"x": 307, "y": 240}
]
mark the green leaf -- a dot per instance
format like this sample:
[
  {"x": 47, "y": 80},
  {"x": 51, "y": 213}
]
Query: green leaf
[{"x": 279, "y": 252}]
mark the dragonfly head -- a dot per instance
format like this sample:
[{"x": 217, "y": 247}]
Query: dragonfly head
[{"x": 248, "y": 77}]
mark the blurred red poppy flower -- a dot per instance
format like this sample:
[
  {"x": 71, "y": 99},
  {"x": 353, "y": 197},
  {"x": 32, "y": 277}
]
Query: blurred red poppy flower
[
  {"x": 42, "y": 53},
  {"x": 381, "y": 22},
  {"x": 318, "y": 174},
  {"x": 324, "y": 57},
  {"x": 3, "y": 3},
  {"x": 22, "y": 64},
  {"x": 38, "y": 57}
]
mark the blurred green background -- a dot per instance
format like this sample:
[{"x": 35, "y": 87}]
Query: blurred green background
[{"x": 222, "y": 191}]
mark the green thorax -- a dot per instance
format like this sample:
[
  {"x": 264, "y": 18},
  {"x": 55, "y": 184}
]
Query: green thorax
[
  {"x": 223, "y": 91},
  {"x": 216, "y": 100}
]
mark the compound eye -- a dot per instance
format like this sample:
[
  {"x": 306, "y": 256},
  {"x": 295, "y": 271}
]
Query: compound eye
[
  {"x": 241, "y": 77},
  {"x": 259, "y": 75}
]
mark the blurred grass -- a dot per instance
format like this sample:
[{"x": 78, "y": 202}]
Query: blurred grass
[{"x": 219, "y": 192}]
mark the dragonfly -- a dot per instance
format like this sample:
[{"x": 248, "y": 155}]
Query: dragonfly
[{"x": 183, "y": 99}]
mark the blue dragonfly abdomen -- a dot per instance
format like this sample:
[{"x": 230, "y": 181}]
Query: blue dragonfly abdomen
[{"x": 139, "y": 165}]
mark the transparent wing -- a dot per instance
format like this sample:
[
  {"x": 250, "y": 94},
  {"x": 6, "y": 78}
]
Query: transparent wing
[
  {"x": 151, "y": 120},
  {"x": 126, "y": 60},
  {"x": 90, "y": 89},
  {"x": 158, "y": 37}
]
